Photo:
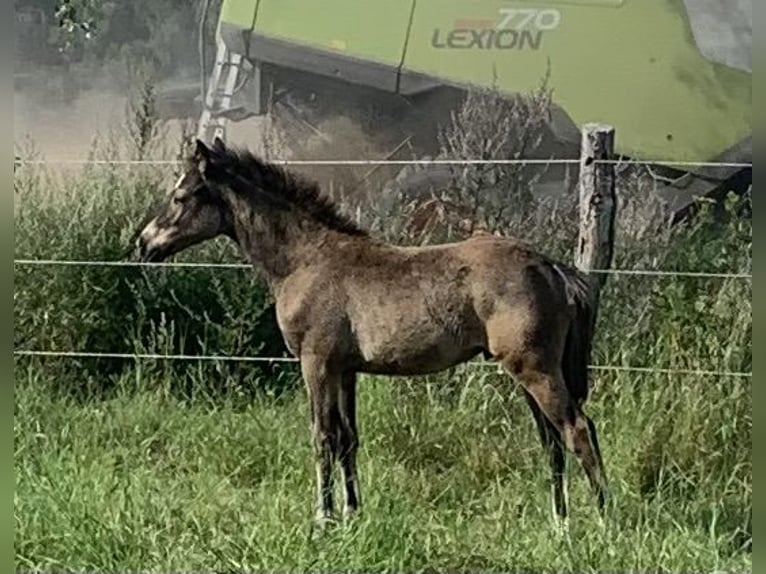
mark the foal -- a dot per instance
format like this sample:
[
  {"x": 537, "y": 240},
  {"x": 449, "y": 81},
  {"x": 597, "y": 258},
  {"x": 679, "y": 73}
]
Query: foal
[{"x": 348, "y": 303}]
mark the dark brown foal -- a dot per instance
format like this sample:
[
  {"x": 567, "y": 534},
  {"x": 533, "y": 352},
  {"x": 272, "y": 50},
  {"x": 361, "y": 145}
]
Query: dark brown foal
[{"x": 347, "y": 303}]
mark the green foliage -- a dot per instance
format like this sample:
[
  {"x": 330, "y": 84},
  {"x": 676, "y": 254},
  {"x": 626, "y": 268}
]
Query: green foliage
[
  {"x": 77, "y": 22},
  {"x": 160, "y": 34},
  {"x": 144, "y": 481}
]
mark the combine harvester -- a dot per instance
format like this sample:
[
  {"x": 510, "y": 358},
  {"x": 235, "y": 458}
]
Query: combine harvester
[{"x": 673, "y": 76}]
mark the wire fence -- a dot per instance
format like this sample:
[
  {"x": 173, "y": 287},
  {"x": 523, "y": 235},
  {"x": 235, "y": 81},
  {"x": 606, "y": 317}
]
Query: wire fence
[
  {"x": 400, "y": 162},
  {"x": 367, "y": 162},
  {"x": 272, "y": 360},
  {"x": 204, "y": 265}
]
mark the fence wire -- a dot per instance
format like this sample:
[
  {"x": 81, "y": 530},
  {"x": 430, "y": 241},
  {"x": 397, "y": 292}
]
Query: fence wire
[
  {"x": 272, "y": 360},
  {"x": 203, "y": 265},
  {"x": 396, "y": 162},
  {"x": 366, "y": 162}
]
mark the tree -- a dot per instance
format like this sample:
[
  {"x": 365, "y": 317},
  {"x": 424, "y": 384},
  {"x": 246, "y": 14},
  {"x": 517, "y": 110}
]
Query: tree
[{"x": 77, "y": 20}]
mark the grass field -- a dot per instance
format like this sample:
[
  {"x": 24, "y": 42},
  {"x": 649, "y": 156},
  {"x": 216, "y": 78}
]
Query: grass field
[
  {"x": 167, "y": 466},
  {"x": 145, "y": 481}
]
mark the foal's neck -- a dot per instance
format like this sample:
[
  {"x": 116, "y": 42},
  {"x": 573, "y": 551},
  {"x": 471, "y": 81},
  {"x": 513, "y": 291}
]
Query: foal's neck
[{"x": 276, "y": 241}]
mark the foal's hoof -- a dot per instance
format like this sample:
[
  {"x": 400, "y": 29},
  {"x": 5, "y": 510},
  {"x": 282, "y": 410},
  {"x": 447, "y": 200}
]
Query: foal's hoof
[
  {"x": 324, "y": 521},
  {"x": 605, "y": 515},
  {"x": 605, "y": 519},
  {"x": 350, "y": 513},
  {"x": 561, "y": 527}
]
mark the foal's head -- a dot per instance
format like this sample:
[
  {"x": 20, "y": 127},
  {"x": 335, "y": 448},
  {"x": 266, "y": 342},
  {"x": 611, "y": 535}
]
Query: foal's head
[
  {"x": 196, "y": 210},
  {"x": 193, "y": 211}
]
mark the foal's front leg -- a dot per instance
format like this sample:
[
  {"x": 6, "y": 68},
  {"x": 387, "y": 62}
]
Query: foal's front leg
[
  {"x": 349, "y": 444},
  {"x": 322, "y": 386}
]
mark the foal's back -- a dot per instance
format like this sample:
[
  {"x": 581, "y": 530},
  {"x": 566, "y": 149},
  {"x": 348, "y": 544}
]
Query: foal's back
[
  {"x": 468, "y": 269},
  {"x": 422, "y": 309}
]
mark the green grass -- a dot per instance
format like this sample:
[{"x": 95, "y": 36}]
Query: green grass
[
  {"x": 172, "y": 466},
  {"x": 147, "y": 481}
]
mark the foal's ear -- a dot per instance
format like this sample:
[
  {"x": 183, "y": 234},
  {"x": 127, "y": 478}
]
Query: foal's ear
[
  {"x": 201, "y": 151},
  {"x": 201, "y": 156},
  {"x": 218, "y": 146}
]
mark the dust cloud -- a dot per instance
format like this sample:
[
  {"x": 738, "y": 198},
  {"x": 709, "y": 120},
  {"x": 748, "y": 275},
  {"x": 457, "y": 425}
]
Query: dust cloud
[{"x": 66, "y": 130}]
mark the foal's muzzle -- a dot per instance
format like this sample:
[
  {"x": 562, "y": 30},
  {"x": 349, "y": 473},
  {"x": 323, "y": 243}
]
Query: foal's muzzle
[
  {"x": 146, "y": 252},
  {"x": 141, "y": 248}
]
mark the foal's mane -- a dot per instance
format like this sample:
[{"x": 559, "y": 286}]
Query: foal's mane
[{"x": 244, "y": 173}]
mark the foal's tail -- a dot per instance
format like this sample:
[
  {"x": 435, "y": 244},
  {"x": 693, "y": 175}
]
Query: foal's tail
[{"x": 577, "y": 348}]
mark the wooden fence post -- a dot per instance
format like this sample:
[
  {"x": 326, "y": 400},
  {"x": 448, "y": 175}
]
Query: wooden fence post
[{"x": 598, "y": 203}]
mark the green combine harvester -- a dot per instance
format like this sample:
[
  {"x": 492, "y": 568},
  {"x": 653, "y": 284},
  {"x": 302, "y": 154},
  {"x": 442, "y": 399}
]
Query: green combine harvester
[{"x": 673, "y": 76}]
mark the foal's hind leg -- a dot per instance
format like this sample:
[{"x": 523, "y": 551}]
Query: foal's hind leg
[
  {"x": 551, "y": 441},
  {"x": 349, "y": 443},
  {"x": 551, "y": 394},
  {"x": 603, "y": 492}
]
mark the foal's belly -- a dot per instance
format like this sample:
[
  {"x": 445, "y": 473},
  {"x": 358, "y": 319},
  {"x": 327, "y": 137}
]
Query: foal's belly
[
  {"x": 423, "y": 363},
  {"x": 416, "y": 344}
]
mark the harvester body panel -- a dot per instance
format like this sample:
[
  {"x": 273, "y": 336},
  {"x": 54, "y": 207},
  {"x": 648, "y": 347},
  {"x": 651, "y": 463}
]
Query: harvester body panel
[{"x": 635, "y": 64}]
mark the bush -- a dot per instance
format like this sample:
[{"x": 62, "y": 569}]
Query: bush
[{"x": 93, "y": 214}]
